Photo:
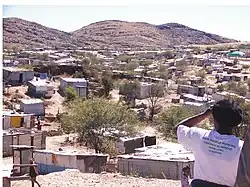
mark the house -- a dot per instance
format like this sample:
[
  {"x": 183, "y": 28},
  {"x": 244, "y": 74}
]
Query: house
[
  {"x": 17, "y": 120},
  {"x": 194, "y": 90},
  {"x": 195, "y": 80},
  {"x": 197, "y": 106},
  {"x": 22, "y": 137},
  {"x": 10, "y": 63},
  {"x": 224, "y": 95},
  {"x": 16, "y": 76},
  {"x": 143, "y": 90},
  {"x": 158, "y": 161},
  {"x": 194, "y": 98},
  {"x": 80, "y": 85},
  {"x": 32, "y": 106},
  {"x": 40, "y": 88}
]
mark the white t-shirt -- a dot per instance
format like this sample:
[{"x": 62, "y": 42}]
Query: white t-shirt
[{"x": 216, "y": 155}]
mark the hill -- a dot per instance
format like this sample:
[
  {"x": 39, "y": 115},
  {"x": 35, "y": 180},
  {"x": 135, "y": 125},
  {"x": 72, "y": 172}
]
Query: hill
[
  {"x": 110, "y": 34},
  {"x": 24, "y": 34},
  {"x": 145, "y": 36}
]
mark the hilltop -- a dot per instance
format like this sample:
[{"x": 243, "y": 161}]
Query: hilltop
[{"x": 111, "y": 34}]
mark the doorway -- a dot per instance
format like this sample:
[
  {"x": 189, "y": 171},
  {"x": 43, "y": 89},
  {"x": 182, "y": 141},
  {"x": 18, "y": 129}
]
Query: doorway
[{"x": 20, "y": 77}]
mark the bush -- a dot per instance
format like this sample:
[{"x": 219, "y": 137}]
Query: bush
[
  {"x": 70, "y": 94},
  {"x": 167, "y": 120}
]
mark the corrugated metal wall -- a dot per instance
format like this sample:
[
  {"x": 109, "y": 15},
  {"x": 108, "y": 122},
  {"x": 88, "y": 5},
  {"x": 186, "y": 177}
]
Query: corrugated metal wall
[
  {"x": 153, "y": 168},
  {"x": 49, "y": 161},
  {"x": 22, "y": 139}
]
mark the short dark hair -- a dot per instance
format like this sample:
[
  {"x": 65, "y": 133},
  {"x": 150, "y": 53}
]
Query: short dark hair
[
  {"x": 186, "y": 168},
  {"x": 227, "y": 113}
]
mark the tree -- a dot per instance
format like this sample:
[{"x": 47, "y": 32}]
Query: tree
[
  {"x": 155, "y": 94},
  {"x": 201, "y": 73},
  {"x": 129, "y": 89},
  {"x": 168, "y": 54},
  {"x": 167, "y": 120},
  {"x": 100, "y": 122},
  {"x": 131, "y": 66},
  {"x": 237, "y": 88},
  {"x": 107, "y": 83},
  {"x": 221, "y": 87},
  {"x": 70, "y": 94}
]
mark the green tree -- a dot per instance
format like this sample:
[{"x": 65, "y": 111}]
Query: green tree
[
  {"x": 107, "y": 83},
  {"x": 70, "y": 94},
  {"x": 170, "y": 117},
  {"x": 100, "y": 123},
  {"x": 221, "y": 87}
]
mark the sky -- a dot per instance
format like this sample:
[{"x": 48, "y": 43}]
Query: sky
[{"x": 226, "y": 20}]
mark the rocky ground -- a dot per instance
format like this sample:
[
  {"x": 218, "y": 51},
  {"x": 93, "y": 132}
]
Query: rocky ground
[{"x": 74, "y": 178}]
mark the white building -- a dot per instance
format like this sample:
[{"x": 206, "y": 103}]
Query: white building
[
  {"x": 32, "y": 106},
  {"x": 40, "y": 88}
]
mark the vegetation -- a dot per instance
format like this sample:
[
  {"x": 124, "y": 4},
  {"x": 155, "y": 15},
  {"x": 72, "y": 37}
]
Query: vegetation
[
  {"x": 100, "y": 123},
  {"x": 167, "y": 119},
  {"x": 107, "y": 83},
  {"x": 129, "y": 89},
  {"x": 201, "y": 73},
  {"x": 155, "y": 94},
  {"x": 237, "y": 87},
  {"x": 70, "y": 94}
]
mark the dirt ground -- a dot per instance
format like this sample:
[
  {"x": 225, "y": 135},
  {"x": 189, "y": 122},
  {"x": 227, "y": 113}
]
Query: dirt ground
[{"x": 75, "y": 178}]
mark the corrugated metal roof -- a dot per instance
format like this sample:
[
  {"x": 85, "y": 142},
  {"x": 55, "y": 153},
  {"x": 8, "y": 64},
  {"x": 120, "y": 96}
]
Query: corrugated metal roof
[{"x": 31, "y": 101}]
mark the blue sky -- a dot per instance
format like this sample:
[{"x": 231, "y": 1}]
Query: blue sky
[{"x": 228, "y": 21}]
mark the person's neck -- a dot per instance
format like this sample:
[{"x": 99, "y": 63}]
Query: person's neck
[{"x": 225, "y": 131}]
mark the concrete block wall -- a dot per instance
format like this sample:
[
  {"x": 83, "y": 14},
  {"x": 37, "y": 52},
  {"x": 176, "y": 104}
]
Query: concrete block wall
[{"x": 152, "y": 168}]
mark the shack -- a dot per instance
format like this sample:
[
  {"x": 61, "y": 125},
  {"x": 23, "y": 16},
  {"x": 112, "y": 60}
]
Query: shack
[
  {"x": 54, "y": 161},
  {"x": 164, "y": 162},
  {"x": 80, "y": 85},
  {"x": 32, "y": 106},
  {"x": 22, "y": 137},
  {"x": 11, "y": 119},
  {"x": 40, "y": 88},
  {"x": 17, "y": 76}
]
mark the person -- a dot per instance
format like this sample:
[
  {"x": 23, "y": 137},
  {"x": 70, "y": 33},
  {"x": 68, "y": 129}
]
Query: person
[
  {"x": 216, "y": 151},
  {"x": 33, "y": 173},
  {"x": 185, "y": 176}
]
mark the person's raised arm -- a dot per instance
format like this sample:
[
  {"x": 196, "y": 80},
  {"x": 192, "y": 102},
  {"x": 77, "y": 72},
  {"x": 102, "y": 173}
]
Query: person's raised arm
[{"x": 194, "y": 120}]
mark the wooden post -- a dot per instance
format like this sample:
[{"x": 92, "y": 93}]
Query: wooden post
[{"x": 31, "y": 140}]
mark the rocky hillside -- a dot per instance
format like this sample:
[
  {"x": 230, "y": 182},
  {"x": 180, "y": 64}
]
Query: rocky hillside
[
  {"x": 30, "y": 34},
  {"x": 106, "y": 34}
]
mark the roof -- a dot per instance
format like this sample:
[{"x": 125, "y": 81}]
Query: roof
[
  {"x": 31, "y": 101},
  {"x": 6, "y": 170},
  {"x": 193, "y": 103},
  {"x": 164, "y": 152},
  {"x": 15, "y": 69},
  {"x": 22, "y": 147},
  {"x": 74, "y": 79},
  {"x": 39, "y": 82}
]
